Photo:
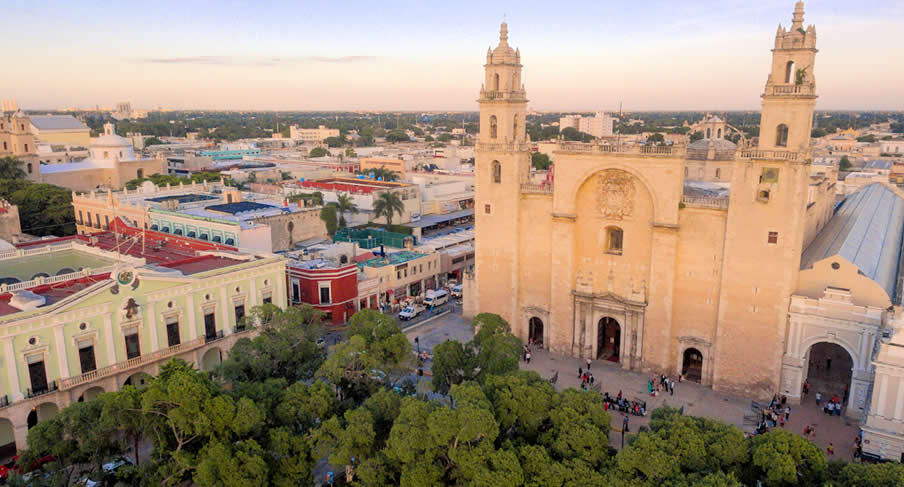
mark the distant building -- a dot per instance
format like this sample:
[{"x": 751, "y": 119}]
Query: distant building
[
  {"x": 110, "y": 164},
  {"x": 600, "y": 125},
  {"x": 10, "y": 227},
  {"x": 208, "y": 212},
  {"x": 9, "y": 106},
  {"x": 395, "y": 165},
  {"x": 312, "y": 135},
  {"x": 60, "y": 129},
  {"x": 16, "y": 141}
]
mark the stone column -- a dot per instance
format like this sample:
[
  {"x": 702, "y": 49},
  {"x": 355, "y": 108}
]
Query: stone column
[
  {"x": 252, "y": 293},
  {"x": 62, "y": 357},
  {"x": 108, "y": 335},
  {"x": 20, "y": 433},
  {"x": 658, "y": 339},
  {"x": 191, "y": 311},
  {"x": 224, "y": 307},
  {"x": 861, "y": 380},
  {"x": 565, "y": 324},
  {"x": 12, "y": 368},
  {"x": 152, "y": 327}
]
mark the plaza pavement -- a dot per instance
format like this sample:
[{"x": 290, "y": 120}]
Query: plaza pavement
[{"x": 696, "y": 399}]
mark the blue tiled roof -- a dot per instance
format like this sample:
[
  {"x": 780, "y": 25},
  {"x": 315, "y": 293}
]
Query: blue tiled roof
[{"x": 866, "y": 230}]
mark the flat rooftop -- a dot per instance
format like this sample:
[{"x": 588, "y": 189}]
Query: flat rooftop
[
  {"x": 431, "y": 220},
  {"x": 240, "y": 207},
  {"x": 391, "y": 259},
  {"x": 184, "y": 198},
  {"x": 352, "y": 185},
  {"x": 54, "y": 263}
]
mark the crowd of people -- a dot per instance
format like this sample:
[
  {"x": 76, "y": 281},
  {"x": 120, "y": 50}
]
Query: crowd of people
[
  {"x": 662, "y": 384},
  {"x": 618, "y": 403}
]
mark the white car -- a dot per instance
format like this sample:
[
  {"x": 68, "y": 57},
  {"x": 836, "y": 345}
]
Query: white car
[
  {"x": 456, "y": 291},
  {"x": 411, "y": 311}
]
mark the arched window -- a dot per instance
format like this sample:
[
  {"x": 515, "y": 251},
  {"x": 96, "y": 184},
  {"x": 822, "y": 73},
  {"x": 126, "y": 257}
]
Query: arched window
[
  {"x": 718, "y": 173},
  {"x": 496, "y": 82},
  {"x": 789, "y": 72},
  {"x": 709, "y": 133},
  {"x": 497, "y": 172},
  {"x": 140, "y": 173},
  {"x": 493, "y": 126},
  {"x": 514, "y": 82},
  {"x": 29, "y": 168},
  {"x": 685, "y": 172},
  {"x": 781, "y": 136},
  {"x": 614, "y": 240},
  {"x": 515, "y": 128},
  {"x": 719, "y": 133}
]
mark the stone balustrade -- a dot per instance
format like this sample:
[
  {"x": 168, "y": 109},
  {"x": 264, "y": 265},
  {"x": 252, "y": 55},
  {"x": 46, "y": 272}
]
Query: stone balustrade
[
  {"x": 711, "y": 202},
  {"x": 776, "y": 155},
  {"x": 675, "y": 150},
  {"x": 537, "y": 188}
]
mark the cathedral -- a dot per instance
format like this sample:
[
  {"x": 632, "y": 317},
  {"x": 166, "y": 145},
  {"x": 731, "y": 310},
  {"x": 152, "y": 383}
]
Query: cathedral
[{"x": 728, "y": 263}]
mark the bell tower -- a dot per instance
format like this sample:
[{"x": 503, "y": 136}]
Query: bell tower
[
  {"x": 790, "y": 94},
  {"x": 502, "y": 165},
  {"x": 764, "y": 229}
]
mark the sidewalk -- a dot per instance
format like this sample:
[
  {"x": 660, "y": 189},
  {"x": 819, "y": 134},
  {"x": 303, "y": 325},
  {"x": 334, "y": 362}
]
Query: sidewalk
[{"x": 696, "y": 399}]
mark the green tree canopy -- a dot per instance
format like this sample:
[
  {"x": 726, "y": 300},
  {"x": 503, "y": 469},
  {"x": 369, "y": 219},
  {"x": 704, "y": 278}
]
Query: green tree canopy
[
  {"x": 540, "y": 161},
  {"x": 318, "y": 152}
]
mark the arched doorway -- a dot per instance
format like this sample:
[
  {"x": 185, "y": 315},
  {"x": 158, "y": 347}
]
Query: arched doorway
[
  {"x": 138, "y": 379},
  {"x": 608, "y": 338},
  {"x": 7, "y": 439},
  {"x": 692, "y": 365},
  {"x": 211, "y": 359},
  {"x": 91, "y": 394},
  {"x": 829, "y": 370},
  {"x": 43, "y": 412},
  {"x": 535, "y": 331}
]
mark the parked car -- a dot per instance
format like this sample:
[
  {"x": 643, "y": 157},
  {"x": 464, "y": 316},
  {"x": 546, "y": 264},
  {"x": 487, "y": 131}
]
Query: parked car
[
  {"x": 14, "y": 466},
  {"x": 456, "y": 291},
  {"x": 437, "y": 297},
  {"x": 411, "y": 311},
  {"x": 108, "y": 473}
]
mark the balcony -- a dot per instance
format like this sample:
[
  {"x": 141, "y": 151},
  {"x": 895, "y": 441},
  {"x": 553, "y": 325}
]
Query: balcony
[
  {"x": 212, "y": 338},
  {"x": 503, "y": 146},
  {"x": 675, "y": 150},
  {"x": 773, "y": 155},
  {"x": 132, "y": 363},
  {"x": 790, "y": 90},
  {"x": 536, "y": 188},
  {"x": 514, "y": 95},
  {"x": 51, "y": 387},
  {"x": 713, "y": 203}
]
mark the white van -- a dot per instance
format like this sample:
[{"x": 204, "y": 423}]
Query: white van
[
  {"x": 456, "y": 291},
  {"x": 437, "y": 297}
]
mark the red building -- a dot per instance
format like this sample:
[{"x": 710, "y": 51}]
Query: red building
[{"x": 329, "y": 287}]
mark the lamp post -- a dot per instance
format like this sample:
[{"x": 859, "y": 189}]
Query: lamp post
[{"x": 623, "y": 430}]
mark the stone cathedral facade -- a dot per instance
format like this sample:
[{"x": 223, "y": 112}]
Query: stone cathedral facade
[{"x": 728, "y": 263}]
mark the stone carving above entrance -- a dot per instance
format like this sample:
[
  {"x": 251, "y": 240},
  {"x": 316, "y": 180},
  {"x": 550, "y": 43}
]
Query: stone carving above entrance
[{"x": 615, "y": 193}]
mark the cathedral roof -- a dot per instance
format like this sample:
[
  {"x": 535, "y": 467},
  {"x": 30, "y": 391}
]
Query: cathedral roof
[
  {"x": 504, "y": 54},
  {"x": 866, "y": 230},
  {"x": 711, "y": 150}
]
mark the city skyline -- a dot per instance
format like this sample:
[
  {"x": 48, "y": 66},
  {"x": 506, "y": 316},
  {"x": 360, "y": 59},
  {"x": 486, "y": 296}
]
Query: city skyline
[{"x": 419, "y": 58}]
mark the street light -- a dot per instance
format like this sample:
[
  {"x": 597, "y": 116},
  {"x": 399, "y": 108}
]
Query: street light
[{"x": 623, "y": 430}]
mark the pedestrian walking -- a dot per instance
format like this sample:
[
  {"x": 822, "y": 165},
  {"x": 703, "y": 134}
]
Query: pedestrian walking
[
  {"x": 527, "y": 357},
  {"x": 830, "y": 449},
  {"x": 818, "y": 398},
  {"x": 580, "y": 372},
  {"x": 588, "y": 364},
  {"x": 672, "y": 387},
  {"x": 591, "y": 379}
]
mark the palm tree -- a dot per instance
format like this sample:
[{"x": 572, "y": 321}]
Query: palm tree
[
  {"x": 345, "y": 204},
  {"x": 10, "y": 168},
  {"x": 388, "y": 204}
]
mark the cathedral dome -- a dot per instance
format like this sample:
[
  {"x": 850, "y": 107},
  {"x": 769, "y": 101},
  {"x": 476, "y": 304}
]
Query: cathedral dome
[
  {"x": 711, "y": 150},
  {"x": 504, "y": 54}
]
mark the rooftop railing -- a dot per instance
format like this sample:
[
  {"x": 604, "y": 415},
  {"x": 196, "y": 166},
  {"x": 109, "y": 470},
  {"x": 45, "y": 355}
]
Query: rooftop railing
[
  {"x": 676, "y": 150},
  {"x": 791, "y": 90},
  {"x": 712, "y": 202},
  {"x": 503, "y": 95},
  {"x": 536, "y": 188},
  {"x": 780, "y": 155},
  {"x": 504, "y": 146}
]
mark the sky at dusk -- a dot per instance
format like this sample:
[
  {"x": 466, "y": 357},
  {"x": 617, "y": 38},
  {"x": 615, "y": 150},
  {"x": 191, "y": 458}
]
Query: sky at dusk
[{"x": 360, "y": 55}]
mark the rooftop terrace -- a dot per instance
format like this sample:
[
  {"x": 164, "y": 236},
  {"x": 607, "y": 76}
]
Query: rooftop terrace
[{"x": 391, "y": 259}]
